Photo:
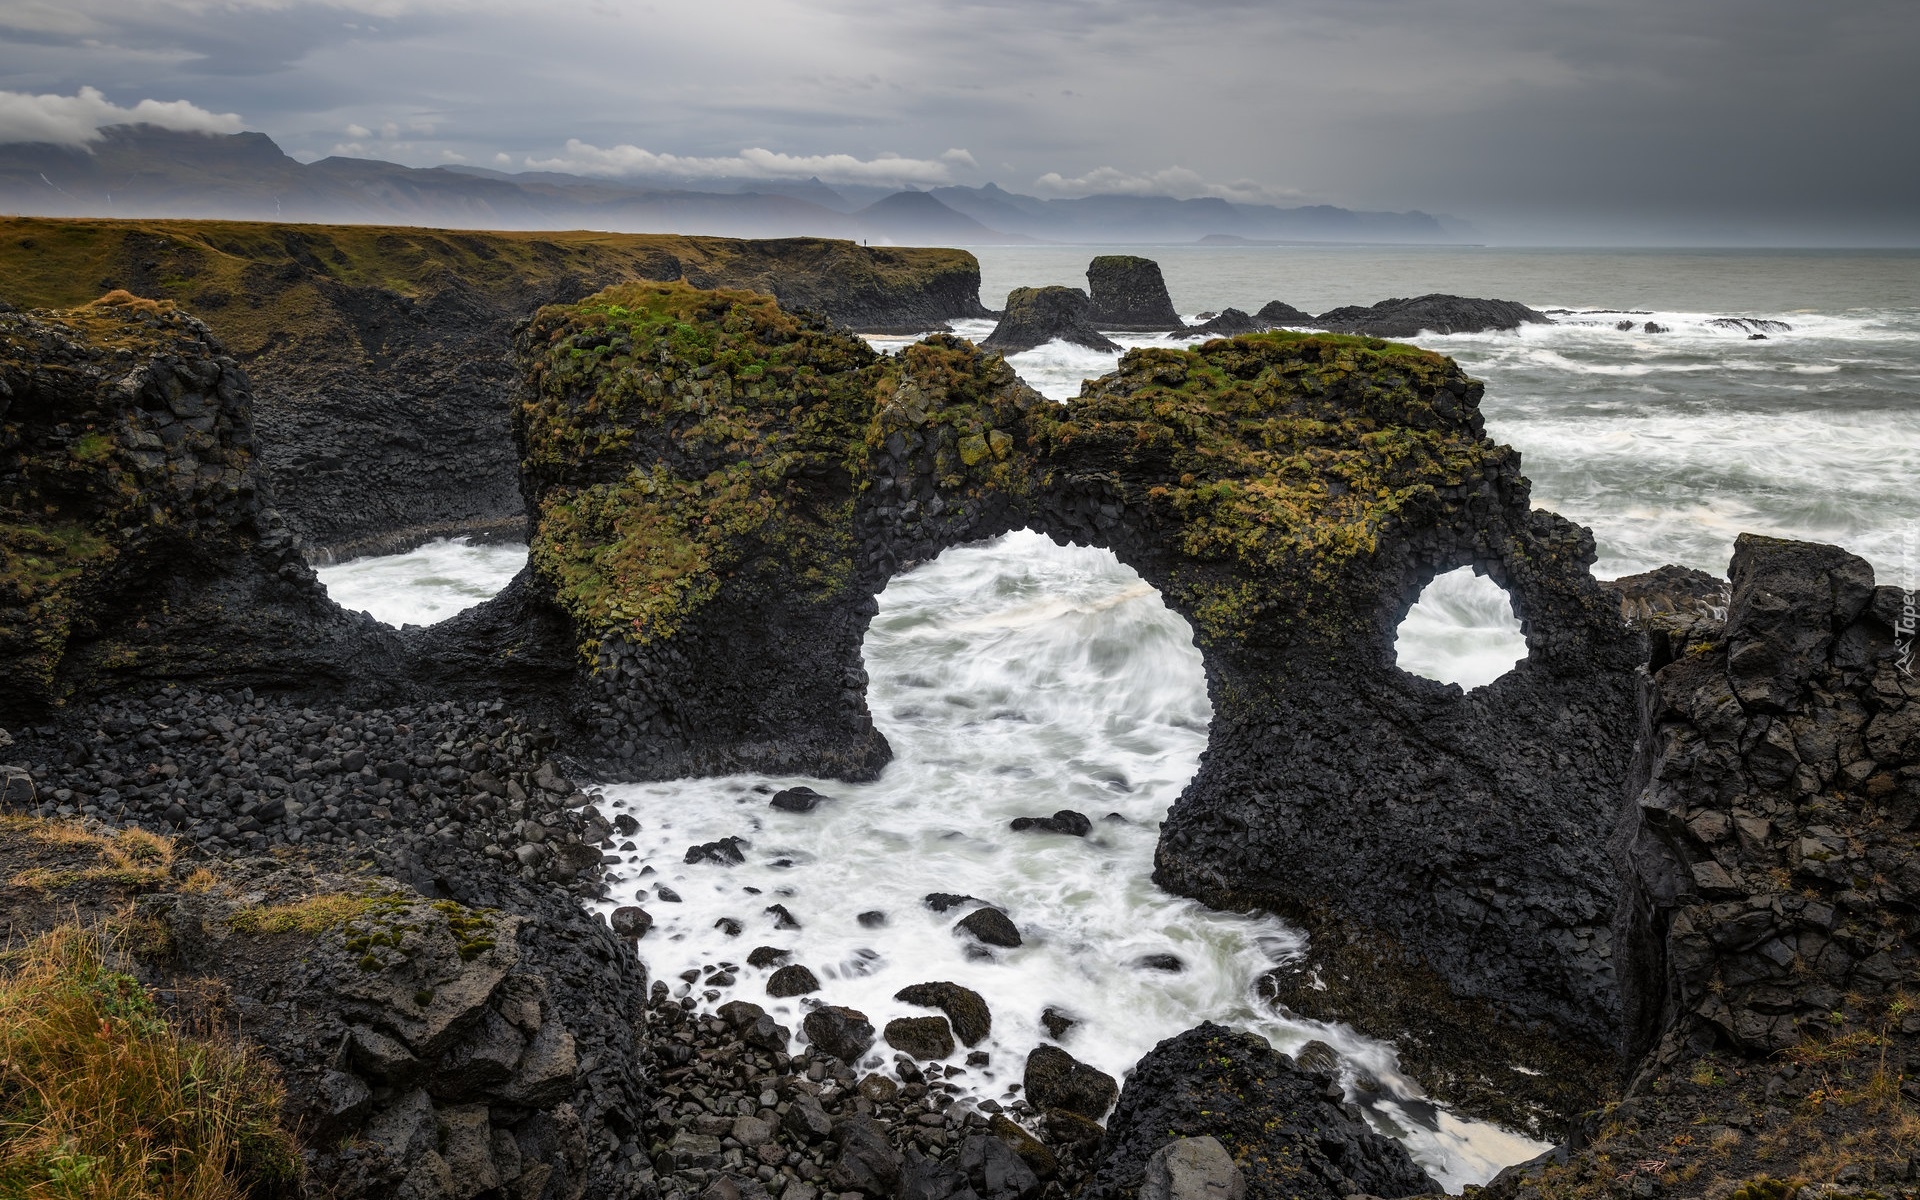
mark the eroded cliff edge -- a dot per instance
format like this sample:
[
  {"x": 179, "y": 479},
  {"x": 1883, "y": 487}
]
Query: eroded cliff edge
[{"x": 380, "y": 354}]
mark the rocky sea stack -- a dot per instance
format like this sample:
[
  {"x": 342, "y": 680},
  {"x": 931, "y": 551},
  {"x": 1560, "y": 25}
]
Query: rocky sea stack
[
  {"x": 1036, "y": 316},
  {"x": 1128, "y": 294}
]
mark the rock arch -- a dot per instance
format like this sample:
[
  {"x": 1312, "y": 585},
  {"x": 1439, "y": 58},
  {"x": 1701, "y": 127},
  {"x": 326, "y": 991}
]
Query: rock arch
[{"x": 721, "y": 488}]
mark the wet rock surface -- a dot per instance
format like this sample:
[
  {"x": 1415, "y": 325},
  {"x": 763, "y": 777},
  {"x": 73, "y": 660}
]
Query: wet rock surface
[
  {"x": 1127, "y": 293},
  {"x": 1432, "y": 313},
  {"x": 1036, "y": 316},
  {"x": 735, "y": 1118},
  {"x": 1286, "y": 1131}
]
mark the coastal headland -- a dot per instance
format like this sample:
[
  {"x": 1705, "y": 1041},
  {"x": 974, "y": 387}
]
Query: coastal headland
[{"x": 1650, "y": 895}]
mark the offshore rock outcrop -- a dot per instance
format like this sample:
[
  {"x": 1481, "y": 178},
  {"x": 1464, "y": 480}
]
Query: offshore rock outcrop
[
  {"x": 1434, "y": 313},
  {"x": 1036, "y": 316},
  {"x": 707, "y": 468},
  {"x": 381, "y": 357},
  {"x": 1128, "y": 294}
]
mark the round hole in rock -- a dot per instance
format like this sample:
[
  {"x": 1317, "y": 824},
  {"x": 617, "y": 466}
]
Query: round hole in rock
[
  {"x": 1013, "y": 678},
  {"x": 425, "y": 585},
  {"x": 1462, "y": 630}
]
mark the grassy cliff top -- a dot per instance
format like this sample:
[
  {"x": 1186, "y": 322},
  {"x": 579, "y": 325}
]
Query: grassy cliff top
[{"x": 259, "y": 285}]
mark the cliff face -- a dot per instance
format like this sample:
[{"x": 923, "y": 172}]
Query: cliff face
[
  {"x": 721, "y": 490},
  {"x": 380, "y": 355},
  {"x": 135, "y": 539}
]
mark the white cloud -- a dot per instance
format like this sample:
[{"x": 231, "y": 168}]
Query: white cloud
[
  {"x": 358, "y": 131},
  {"x": 1173, "y": 181},
  {"x": 76, "y": 120},
  {"x": 583, "y": 158}
]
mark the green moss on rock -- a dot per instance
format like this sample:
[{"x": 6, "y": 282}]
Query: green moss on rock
[{"x": 677, "y": 439}]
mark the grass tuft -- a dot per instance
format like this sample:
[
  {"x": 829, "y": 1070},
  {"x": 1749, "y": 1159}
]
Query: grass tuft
[{"x": 101, "y": 1098}]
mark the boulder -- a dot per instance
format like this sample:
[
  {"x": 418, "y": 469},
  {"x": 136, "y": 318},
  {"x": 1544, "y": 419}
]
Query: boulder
[
  {"x": 1065, "y": 821},
  {"x": 1292, "y": 1135},
  {"x": 806, "y": 1121},
  {"x": 844, "y": 1033},
  {"x": 1432, "y": 313},
  {"x": 766, "y": 956},
  {"x": 867, "y": 1162},
  {"x": 925, "y": 1038},
  {"x": 796, "y": 800},
  {"x": 631, "y": 922},
  {"x": 1127, "y": 293},
  {"x": 991, "y": 926},
  {"x": 1193, "y": 1169},
  {"x": 727, "y": 852},
  {"x": 1056, "y": 1079},
  {"x": 996, "y": 1170},
  {"x": 966, "y": 1008},
  {"x": 1036, "y": 316},
  {"x": 791, "y": 980}
]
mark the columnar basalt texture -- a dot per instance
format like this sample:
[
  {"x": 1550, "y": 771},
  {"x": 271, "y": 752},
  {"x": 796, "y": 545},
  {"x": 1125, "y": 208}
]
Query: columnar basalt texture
[
  {"x": 721, "y": 489},
  {"x": 1128, "y": 293},
  {"x": 382, "y": 356},
  {"x": 135, "y": 539},
  {"x": 1771, "y": 854}
]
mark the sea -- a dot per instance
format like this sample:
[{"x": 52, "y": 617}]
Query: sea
[{"x": 1017, "y": 677}]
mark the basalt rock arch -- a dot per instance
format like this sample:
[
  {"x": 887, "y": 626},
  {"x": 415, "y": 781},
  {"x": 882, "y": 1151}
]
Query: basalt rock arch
[{"x": 720, "y": 488}]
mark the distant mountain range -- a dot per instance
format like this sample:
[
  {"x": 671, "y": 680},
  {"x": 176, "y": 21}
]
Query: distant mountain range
[{"x": 141, "y": 171}]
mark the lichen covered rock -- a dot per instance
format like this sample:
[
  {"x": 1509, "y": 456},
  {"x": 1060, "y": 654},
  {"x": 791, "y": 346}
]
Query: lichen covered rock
[{"x": 134, "y": 538}]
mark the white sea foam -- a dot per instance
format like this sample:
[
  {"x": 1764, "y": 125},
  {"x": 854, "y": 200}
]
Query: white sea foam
[
  {"x": 1012, "y": 679},
  {"x": 1462, "y": 630},
  {"x": 424, "y": 585}
]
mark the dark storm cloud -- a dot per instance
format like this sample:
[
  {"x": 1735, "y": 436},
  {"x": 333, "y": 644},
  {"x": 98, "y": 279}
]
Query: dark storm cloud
[{"x": 1721, "y": 118}]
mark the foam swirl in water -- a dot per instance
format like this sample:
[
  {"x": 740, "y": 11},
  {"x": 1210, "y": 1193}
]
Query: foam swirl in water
[{"x": 1013, "y": 679}]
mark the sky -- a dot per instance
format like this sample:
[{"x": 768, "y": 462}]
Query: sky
[{"x": 1638, "y": 120}]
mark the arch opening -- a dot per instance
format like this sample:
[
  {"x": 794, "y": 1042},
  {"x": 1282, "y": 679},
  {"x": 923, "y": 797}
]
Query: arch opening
[
  {"x": 1462, "y": 630},
  {"x": 427, "y": 584},
  {"x": 1013, "y": 677}
]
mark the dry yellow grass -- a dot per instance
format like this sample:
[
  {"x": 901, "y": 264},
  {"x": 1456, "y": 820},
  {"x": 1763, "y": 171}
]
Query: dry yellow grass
[
  {"x": 128, "y": 856},
  {"x": 315, "y": 914},
  {"x": 102, "y": 1099}
]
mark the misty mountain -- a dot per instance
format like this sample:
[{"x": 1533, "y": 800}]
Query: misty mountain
[{"x": 141, "y": 171}]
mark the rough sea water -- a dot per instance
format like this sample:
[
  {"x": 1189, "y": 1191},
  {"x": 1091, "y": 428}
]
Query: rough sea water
[{"x": 1015, "y": 678}]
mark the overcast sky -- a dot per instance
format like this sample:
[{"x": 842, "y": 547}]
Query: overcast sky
[{"x": 1715, "y": 119}]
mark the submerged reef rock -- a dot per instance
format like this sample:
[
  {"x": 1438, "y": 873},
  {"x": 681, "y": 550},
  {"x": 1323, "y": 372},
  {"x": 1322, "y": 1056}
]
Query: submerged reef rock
[
  {"x": 382, "y": 356},
  {"x": 1434, "y": 313},
  {"x": 1036, "y": 316},
  {"x": 1128, "y": 294},
  {"x": 1286, "y": 1130},
  {"x": 1278, "y": 312},
  {"x": 136, "y": 542}
]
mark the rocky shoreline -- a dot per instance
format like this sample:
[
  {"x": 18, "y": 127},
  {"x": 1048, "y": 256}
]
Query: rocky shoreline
[{"x": 1677, "y": 843}]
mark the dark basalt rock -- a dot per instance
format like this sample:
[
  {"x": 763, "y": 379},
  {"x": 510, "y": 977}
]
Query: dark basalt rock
[
  {"x": 1036, "y": 316},
  {"x": 844, "y": 1033},
  {"x": 966, "y": 1008},
  {"x": 1055, "y": 1079},
  {"x": 1434, "y": 313},
  {"x": 726, "y": 852},
  {"x": 1227, "y": 323},
  {"x": 1291, "y": 1134},
  {"x": 1127, "y": 293},
  {"x": 790, "y": 980},
  {"x": 942, "y": 901},
  {"x": 796, "y": 800},
  {"x": 1278, "y": 312},
  {"x": 1751, "y": 325},
  {"x": 1669, "y": 591},
  {"x": 766, "y": 956},
  {"x": 924, "y": 1038},
  {"x": 1779, "y": 790},
  {"x": 1065, "y": 821},
  {"x": 991, "y": 926}
]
